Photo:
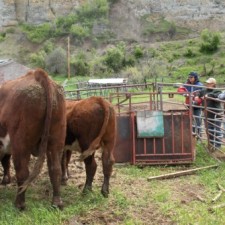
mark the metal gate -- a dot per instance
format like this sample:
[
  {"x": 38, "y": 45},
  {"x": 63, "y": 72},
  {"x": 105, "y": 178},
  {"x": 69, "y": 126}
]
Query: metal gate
[{"x": 174, "y": 145}]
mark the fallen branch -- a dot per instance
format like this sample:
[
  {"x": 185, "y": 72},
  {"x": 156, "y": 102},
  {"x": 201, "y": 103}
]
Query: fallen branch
[
  {"x": 198, "y": 197},
  {"x": 180, "y": 173},
  {"x": 221, "y": 191},
  {"x": 221, "y": 188},
  {"x": 217, "y": 196},
  {"x": 217, "y": 207}
]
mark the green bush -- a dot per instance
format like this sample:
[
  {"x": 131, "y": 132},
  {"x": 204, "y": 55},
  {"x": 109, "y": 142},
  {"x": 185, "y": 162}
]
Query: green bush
[
  {"x": 38, "y": 34},
  {"x": 79, "y": 32},
  {"x": 134, "y": 75},
  {"x": 2, "y": 36},
  {"x": 114, "y": 59},
  {"x": 93, "y": 9},
  {"x": 189, "y": 53},
  {"x": 138, "y": 52},
  {"x": 172, "y": 30},
  {"x": 129, "y": 60},
  {"x": 56, "y": 61},
  {"x": 63, "y": 24},
  {"x": 38, "y": 59},
  {"x": 210, "y": 41},
  {"x": 48, "y": 46},
  {"x": 99, "y": 69},
  {"x": 79, "y": 65}
]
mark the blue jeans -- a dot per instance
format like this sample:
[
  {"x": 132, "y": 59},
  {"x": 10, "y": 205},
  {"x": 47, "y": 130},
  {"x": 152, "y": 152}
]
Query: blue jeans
[{"x": 197, "y": 121}]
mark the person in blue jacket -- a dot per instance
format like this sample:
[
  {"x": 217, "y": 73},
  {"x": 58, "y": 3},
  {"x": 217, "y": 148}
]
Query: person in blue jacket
[{"x": 193, "y": 85}]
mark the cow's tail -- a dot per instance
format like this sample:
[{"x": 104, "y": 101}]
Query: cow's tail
[
  {"x": 97, "y": 141},
  {"x": 42, "y": 77}
]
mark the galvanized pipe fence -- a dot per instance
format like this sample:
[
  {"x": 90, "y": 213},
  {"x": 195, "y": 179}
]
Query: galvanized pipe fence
[{"x": 135, "y": 103}]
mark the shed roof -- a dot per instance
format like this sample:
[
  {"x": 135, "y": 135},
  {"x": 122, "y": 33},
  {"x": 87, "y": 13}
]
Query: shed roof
[{"x": 109, "y": 81}]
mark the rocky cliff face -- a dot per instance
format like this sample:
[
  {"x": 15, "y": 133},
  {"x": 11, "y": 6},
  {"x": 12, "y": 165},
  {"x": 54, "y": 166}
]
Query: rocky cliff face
[
  {"x": 196, "y": 14},
  {"x": 34, "y": 11},
  {"x": 193, "y": 14}
]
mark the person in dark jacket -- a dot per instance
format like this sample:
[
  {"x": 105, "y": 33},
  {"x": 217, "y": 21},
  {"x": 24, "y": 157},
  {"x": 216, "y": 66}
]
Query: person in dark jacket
[
  {"x": 193, "y": 86},
  {"x": 213, "y": 112}
]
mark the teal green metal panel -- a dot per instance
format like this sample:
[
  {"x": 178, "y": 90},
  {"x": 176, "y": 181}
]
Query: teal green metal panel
[{"x": 150, "y": 124}]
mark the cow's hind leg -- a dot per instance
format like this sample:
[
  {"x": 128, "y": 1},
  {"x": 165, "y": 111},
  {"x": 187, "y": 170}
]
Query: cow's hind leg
[
  {"x": 55, "y": 174},
  {"x": 107, "y": 163},
  {"x": 91, "y": 167},
  {"x": 65, "y": 163},
  {"x": 21, "y": 162},
  {"x": 6, "y": 168}
]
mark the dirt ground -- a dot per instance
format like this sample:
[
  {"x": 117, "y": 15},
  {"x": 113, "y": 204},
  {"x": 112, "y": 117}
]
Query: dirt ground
[{"x": 132, "y": 190}]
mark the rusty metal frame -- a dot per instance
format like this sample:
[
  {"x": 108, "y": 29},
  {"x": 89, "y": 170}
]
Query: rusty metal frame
[{"x": 156, "y": 150}]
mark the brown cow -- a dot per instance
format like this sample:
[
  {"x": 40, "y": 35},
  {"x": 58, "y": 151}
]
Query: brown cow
[
  {"x": 33, "y": 121},
  {"x": 92, "y": 122}
]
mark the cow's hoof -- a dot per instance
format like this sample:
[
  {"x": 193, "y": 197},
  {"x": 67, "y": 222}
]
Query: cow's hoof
[
  {"x": 6, "y": 180},
  {"x": 87, "y": 190},
  {"x": 105, "y": 190},
  {"x": 64, "y": 182},
  {"x": 57, "y": 203},
  {"x": 105, "y": 193},
  {"x": 20, "y": 206}
]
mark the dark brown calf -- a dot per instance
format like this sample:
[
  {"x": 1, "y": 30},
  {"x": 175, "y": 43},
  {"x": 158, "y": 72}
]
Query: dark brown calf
[
  {"x": 32, "y": 121},
  {"x": 92, "y": 122}
]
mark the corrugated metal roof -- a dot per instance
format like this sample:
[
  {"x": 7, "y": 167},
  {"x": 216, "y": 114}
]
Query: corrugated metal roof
[{"x": 108, "y": 81}]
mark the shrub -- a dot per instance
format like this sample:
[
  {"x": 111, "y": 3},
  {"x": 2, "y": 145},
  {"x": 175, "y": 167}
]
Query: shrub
[
  {"x": 81, "y": 68},
  {"x": 2, "y": 36},
  {"x": 79, "y": 64},
  {"x": 79, "y": 32},
  {"x": 134, "y": 75},
  {"x": 38, "y": 34},
  {"x": 48, "y": 46},
  {"x": 138, "y": 52},
  {"x": 99, "y": 69},
  {"x": 210, "y": 41},
  {"x": 172, "y": 30},
  {"x": 114, "y": 58},
  {"x": 63, "y": 24},
  {"x": 56, "y": 61},
  {"x": 189, "y": 53},
  {"x": 129, "y": 60},
  {"x": 93, "y": 9},
  {"x": 38, "y": 59}
]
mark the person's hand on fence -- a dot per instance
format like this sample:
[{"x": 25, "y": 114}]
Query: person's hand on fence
[{"x": 197, "y": 100}]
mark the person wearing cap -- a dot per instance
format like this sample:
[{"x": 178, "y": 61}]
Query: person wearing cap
[
  {"x": 193, "y": 85},
  {"x": 213, "y": 112}
]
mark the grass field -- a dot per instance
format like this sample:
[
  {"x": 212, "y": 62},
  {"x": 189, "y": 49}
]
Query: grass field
[{"x": 133, "y": 199}]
